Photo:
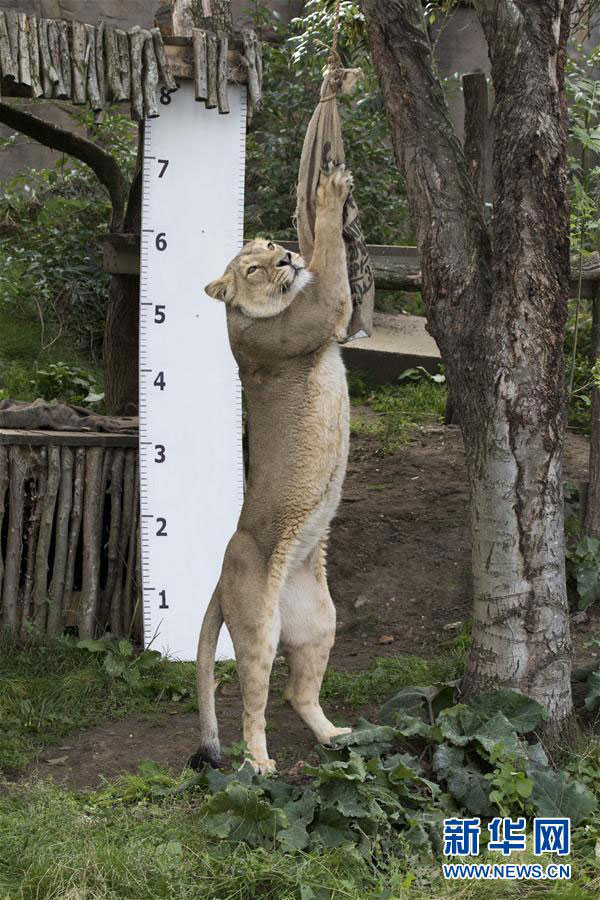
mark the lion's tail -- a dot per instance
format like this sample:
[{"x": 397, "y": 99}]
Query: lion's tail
[{"x": 209, "y": 749}]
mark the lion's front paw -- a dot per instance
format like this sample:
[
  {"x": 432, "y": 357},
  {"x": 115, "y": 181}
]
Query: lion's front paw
[
  {"x": 263, "y": 766},
  {"x": 335, "y": 183},
  {"x": 331, "y": 734}
]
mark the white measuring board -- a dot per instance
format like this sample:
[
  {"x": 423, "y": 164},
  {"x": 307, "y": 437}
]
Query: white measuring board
[{"x": 191, "y": 462}]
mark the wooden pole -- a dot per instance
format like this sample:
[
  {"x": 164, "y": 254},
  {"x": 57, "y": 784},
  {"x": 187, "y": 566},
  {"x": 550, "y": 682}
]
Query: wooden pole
[
  {"x": 249, "y": 59},
  {"x": 3, "y": 490},
  {"x": 34, "y": 59},
  {"x": 18, "y": 466},
  {"x": 49, "y": 73},
  {"x": 8, "y": 65},
  {"x": 116, "y": 511},
  {"x": 79, "y": 62},
  {"x": 117, "y": 617},
  {"x": 164, "y": 69},
  {"x": 150, "y": 77},
  {"x": 93, "y": 89},
  {"x": 74, "y": 525},
  {"x": 136, "y": 44},
  {"x": 24, "y": 66},
  {"x": 211, "y": 68},
  {"x": 40, "y": 578},
  {"x": 124, "y": 62},
  {"x": 59, "y": 568},
  {"x": 222, "y": 98},
  {"x": 128, "y": 600},
  {"x": 65, "y": 57},
  {"x": 200, "y": 63},
  {"x": 38, "y": 479},
  {"x": 59, "y": 90},
  {"x": 12, "y": 24},
  {"x": 91, "y": 542},
  {"x": 113, "y": 68},
  {"x": 100, "y": 62}
]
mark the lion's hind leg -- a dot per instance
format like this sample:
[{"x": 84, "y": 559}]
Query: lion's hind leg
[
  {"x": 249, "y": 601},
  {"x": 307, "y": 636}
]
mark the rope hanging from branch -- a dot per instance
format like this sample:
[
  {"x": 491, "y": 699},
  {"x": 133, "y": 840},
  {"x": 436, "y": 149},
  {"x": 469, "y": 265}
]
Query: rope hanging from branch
[{"x": 323, "y": 144}]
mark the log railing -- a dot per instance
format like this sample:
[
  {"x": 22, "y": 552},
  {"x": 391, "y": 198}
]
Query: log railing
[{"x": 69, "y": 533}]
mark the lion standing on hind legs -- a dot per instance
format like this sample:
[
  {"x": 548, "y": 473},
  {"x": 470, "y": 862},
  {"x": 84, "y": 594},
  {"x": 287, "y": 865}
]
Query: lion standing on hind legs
[{"x": 284, "y": 322}]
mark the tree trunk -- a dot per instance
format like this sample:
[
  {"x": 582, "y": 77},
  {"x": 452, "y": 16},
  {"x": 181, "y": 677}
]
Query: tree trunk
[
  {"x": 121, "y": 337},
  {"x": 499, "y": 322},
  {"x": 592, "y": 516}
]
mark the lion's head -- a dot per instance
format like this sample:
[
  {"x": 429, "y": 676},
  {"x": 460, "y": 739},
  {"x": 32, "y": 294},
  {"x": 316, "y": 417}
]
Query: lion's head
[{"x": 262, "y": 280}]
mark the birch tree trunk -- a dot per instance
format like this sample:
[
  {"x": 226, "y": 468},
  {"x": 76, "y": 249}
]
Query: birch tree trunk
[{"x": 498, "y": 317}]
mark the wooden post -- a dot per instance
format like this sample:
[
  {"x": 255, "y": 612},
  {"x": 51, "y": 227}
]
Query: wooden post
[
  {"x": 93, "y": 89},
  {"x": 163, "y": 64},
  {"x": 74, "y": 525},
  {"x": 124, "y": 62},
  {"x": 3, "y": 490},
  {"x": 34, "y": 59},
  {"x": 79, "y": 62},
  {"x": 24, "y": 66},
  {"x": 91, "y": 542},
  {"x": 8, "y": 64},
  {"x": 38, "y": 479},
  {"x": 150, "y": 77},
  {"x": 211, "y": 69},
  {"x": 250, "y": 61},
  {"x": 200, "y": 63},
  {"x": 222, "y": 98},
  {"x": 113, "y": 68},
  {"x": 136, "y": 43},
  {"x": 61, "y": 547},
  {"x": 18, "y": 466},
  {"x": 65, "y": 57},
  {"x": 40, "y": 578}
]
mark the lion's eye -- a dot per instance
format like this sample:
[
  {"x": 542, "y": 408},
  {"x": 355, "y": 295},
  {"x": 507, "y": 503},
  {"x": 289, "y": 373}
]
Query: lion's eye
[
  {"x": 251, "y": 270},
  {"x": 270, "y": 245}
]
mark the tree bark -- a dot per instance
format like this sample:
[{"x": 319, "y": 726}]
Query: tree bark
[
  {"x": 592, "y": 516},
  {"x": 121, "y": 342},
  {"x": 499, "y": 321}
]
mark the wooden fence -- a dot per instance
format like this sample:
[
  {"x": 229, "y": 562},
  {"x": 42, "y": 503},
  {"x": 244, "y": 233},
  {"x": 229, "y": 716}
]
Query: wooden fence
[{"x": 69, "y": 533}]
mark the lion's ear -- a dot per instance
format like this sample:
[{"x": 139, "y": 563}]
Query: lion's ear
[{"x": 221, "y": 288}]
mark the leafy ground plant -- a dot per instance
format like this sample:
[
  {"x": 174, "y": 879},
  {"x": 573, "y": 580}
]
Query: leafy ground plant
[{"x": 583, "y": 568}]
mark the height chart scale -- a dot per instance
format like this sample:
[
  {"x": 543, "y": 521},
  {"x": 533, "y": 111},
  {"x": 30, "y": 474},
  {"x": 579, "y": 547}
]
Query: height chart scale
[{"x": 191, "y": 462}]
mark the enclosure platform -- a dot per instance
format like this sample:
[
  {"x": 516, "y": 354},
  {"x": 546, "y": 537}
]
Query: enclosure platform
[{"x": 398, "y": 343}]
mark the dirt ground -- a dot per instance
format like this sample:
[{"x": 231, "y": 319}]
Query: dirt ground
[{"x": 399, "y": 568}]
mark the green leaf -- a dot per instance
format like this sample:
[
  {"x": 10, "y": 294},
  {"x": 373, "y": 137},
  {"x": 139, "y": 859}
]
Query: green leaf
[
  {"x": 299, "y": 814},
  {"x": 114, "y": 665},
  {"x": 523, "y": 714},
  {"x": 497, "y": 731},
  {"x": 447, "y": 758},
  {"x": 471, "y": 789},
  {"x": 241, "y": 813},
  {"x": 332, "y": 830},
  {"x": 367, "y": 739},
  {"x": 555, "y": 796},
  {"x": 148, "y": 659},
  {"x": 125, "y": 648},
  {"x": 592, "y": 700},
  {"x": 92, "y": 646}
]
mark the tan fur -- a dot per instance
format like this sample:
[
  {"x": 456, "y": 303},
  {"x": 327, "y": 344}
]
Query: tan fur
[{"x": 283, "y": 322}]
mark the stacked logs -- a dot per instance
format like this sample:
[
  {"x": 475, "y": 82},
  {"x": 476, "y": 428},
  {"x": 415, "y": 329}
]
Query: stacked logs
[
  {"x": 101, "y": 64},
  {"x": 69, "y": 536}
]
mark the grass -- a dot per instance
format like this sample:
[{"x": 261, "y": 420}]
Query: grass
[
  {"x": 48, "y": 689},
  {"x": 21, "y": 355},
  {"x": 388, "y": 674},
  {"x": 125, "y": 840},
  {"x": 398, "y": 408},
  {"x": 118, "y": 843}
]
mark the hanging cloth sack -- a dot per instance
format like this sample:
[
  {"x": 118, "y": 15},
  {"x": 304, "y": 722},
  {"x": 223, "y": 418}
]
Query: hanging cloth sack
[{"x": 322, "y": 144}]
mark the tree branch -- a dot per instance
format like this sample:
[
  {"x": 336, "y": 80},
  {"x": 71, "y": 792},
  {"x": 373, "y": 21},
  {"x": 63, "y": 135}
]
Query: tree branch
[{"x": 102, "y": 163}]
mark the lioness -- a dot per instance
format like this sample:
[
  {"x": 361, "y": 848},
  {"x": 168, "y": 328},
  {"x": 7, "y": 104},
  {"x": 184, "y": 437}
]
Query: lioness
[{"x": 284, "y": 321}]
